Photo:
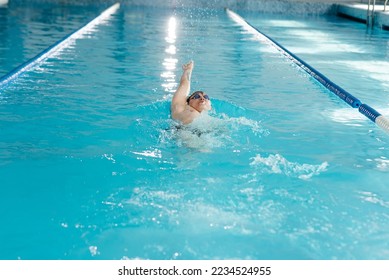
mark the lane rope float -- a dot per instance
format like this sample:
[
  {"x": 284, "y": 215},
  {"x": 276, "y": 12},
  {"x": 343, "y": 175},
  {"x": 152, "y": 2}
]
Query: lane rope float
[
  {"x": 354, "y": 102},
  {"x": 56, "y": 47}
]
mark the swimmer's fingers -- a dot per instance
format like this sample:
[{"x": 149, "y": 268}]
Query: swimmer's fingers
[{"x": 188, "y": 66}]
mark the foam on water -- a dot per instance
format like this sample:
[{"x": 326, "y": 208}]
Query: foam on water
[
  {"x": 277, "y": 164},
  {"x": 214, "y": 130}
]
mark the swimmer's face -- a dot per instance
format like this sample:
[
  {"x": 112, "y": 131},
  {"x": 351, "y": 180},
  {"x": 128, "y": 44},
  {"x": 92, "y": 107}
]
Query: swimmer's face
[{"x": 200, "y": 101}]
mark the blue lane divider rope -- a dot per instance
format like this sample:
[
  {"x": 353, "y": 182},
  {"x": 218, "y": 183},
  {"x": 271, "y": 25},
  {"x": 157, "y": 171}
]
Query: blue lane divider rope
[
  {"x": 58, "y": 46},
  {"x": 354, "y": 102},
  {"x": 369, "y": 112}
]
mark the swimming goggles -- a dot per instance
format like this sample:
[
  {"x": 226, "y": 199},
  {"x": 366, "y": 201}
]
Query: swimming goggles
[{"x": 196, "y": 95}]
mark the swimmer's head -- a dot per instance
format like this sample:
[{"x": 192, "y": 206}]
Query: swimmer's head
[{"x": 199, "y": 101}]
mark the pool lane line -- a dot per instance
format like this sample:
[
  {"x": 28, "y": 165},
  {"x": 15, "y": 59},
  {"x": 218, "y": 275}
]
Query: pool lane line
[
  {"x": 341, "y": 93},
  {"x": 56, "y": 47},
  {"x": 354, "y": 102}
]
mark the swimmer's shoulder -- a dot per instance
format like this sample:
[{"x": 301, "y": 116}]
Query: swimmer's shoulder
[{"x": 187, "y": 115}]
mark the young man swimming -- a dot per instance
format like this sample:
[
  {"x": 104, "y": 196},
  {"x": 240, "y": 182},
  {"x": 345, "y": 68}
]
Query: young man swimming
[{"x": 183, "y": 108}]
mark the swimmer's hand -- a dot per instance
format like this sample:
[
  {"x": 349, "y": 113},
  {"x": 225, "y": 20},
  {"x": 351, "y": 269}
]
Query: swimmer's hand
[{"x": 188, "y": 66}]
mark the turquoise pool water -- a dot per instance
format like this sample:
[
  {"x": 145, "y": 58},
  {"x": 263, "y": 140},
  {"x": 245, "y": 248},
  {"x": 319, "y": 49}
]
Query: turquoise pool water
[{"x": 92, "y": 167}]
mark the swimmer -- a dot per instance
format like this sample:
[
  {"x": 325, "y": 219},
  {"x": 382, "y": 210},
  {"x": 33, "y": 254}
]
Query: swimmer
[{"x": 186, "y": 108}]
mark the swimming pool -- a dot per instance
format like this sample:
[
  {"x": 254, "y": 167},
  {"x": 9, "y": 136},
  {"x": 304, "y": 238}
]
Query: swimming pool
[{"x": 92, "y": 167}]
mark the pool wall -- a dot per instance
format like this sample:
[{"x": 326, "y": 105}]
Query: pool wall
[
  {"x": 358, "y": 12},
  {"x": 352, "y": 9},
  {"x": 317, "y": 7}
]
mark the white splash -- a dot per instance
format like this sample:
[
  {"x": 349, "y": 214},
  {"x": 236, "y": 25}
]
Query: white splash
[
  {"x": 93, "y": 250},
  {"x": 382, "y": 163},
  {"x": 154, "y": 154},
  {"x": 373, "y": 198},
  {"x": 237, "y": 123},
  {"x": 203, "y": 134},
  {"x": 277, "y": 164},
  {"x": 109, "y": 157}
]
